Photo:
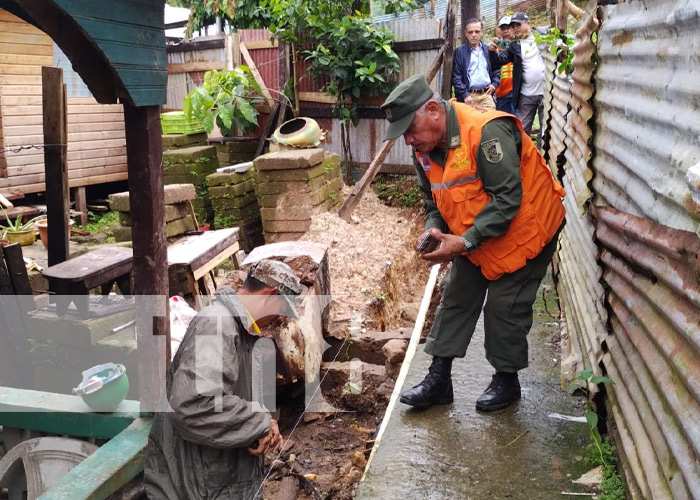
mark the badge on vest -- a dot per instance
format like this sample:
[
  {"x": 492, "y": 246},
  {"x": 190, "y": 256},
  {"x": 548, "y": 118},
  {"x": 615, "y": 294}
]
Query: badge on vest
[
  {"x": 461, "y": 158},
  {"x": 492, "y": 150}
]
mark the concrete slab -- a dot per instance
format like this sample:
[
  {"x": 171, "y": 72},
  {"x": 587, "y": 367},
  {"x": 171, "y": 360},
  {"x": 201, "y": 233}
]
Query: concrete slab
[{"x": 453, "y": 451}]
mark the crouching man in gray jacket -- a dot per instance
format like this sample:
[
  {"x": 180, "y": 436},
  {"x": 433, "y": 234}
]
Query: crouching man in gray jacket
[{"x": 210, "y": 444}]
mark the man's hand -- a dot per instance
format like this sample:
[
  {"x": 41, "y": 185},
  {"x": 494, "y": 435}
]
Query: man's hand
[
  {"x": 451, "y": 246},
  {"x": 468, "y": 99},
  {"x": 272, "y": 441},
  {"x": 490, "y": 89},
  {"x": 493, "y": 47}
]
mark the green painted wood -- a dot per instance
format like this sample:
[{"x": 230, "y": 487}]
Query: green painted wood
[
  {"x": 62, "y": 414},
  {"x": 130, "y": 34},
  {"x": 106, "y": 470}
]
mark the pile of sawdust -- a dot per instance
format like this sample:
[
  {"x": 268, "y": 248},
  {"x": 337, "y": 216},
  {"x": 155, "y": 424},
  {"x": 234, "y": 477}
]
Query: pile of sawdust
[{"x": 360, "y": 251}]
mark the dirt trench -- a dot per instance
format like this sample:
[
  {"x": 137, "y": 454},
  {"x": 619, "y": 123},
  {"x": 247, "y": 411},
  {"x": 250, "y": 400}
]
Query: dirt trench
[{"x": 377, "y": 283}]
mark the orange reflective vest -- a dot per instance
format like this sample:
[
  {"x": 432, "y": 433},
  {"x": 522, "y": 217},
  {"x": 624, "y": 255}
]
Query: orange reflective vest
[
  {"x": 506, "y": 85},
  {"x": 459, "y": 195}
]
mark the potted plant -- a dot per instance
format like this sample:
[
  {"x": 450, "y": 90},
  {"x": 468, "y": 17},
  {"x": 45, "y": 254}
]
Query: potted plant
[
  {"x": 18, "y": 231},
  {"x": 42, "y": 224},
  {"x": 226, "y": 98}
]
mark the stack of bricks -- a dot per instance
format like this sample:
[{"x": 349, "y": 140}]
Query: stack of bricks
[
  {"x": 177, "y": 213},
  {"x": 180, "y": 141},
  {"x": 235, "y": 204},
  {"x": 292, "y": 184},
  {"x": 192, "y": 165},
  {"x": 231, "y": 151}
]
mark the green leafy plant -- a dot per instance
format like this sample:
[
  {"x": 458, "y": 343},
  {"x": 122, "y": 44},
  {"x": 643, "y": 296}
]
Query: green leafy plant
[
  {"x": 225, "y": 98},
  {"x": 17, "y": 226},
  {"x": 599, "y": 452},
  {"x": 560, "y": 45}
]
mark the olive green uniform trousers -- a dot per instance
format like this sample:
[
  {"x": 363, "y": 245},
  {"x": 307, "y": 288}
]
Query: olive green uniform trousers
[{"x": 507, "y": 312}]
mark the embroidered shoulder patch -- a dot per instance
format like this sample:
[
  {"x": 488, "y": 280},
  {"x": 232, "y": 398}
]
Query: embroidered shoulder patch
[{"x": 492, "y": 150}]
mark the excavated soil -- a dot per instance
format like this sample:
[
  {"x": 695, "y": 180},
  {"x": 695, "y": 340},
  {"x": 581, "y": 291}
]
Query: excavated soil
[{"x": 376, "y": 279}]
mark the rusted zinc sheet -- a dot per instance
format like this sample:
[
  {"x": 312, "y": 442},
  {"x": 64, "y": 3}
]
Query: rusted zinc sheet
[
  {"x": 648, "y": 118},
  {"x": 550, "y": 71},
  {"x": 267, "y": 58},
  {"x": 654, "y": 349},
  {"x": 581, "y": 292}
]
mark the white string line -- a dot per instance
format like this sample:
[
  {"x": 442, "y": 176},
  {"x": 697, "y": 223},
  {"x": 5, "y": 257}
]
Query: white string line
[{"x": 299, "y": 419}]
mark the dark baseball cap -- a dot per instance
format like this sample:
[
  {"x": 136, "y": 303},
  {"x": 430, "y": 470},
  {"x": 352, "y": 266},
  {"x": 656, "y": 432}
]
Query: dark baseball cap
[
  {"x": 401, "y": 105},
  {"x": 519, "y": 18}
]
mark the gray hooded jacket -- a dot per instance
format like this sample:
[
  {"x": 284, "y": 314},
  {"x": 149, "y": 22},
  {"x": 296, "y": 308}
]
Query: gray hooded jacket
[{"x": 198, "y": 450}]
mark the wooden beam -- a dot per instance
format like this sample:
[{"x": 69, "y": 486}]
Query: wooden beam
[
  {"x": 451, "y": 25},
  {"x": 364, "y": 183},
  {"x": 55, "y": 163},
  {"x": 189, "y": 67},
  {"x": 146, "y": 196},
  {"x": 418, "y": 45},
  {"x": 217, "y": 43},
  {"x": 256, "y": 74},
  {"x": 261, "y": 44},
  {"x": 81, "y": 204},
  {"x": 470, "y": 9}
]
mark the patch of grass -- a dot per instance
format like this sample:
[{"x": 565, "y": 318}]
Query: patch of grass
[
  {"x": 100, "y": 221},
  {"x": 401, "y": 191}
]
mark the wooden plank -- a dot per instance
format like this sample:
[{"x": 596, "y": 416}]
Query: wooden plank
[
  {"x": 193, "y": 252},
  {"x": 268, "y": 130},
  {"x": 17, "y": 272},
  {"x": 93, "y": 268},
  {"x": 418, "y": 45},
  {"x": 145, "y": 155},
  {"x": 256, "y": 74},
  {"x": 106, "y": 470},
  {"x": 447, "y": 61},
  {"x": 37, "y": 185},
  {"x": 20, "y": 80},
  {"x": 321, "y": 97},
  {"x": 55, "y": 164},
  {"x": 364, "y": 183},
  {"x": 34, "y": 39},
  {"x": 28, "y": 60},
  {"x": 19, "y": 69},
  {"x": 80, "y": 199},
  {"x": 196, "y": 44},
  {"x": 191, "y": 67},
  {"x": 27, "y": 48},
  {"x": 261, "y": 44}
]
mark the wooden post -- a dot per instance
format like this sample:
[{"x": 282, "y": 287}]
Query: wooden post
[
  {"x": 470, "y": 8},
  {"x": 561, "y": 13},
  {"x": 146, "y": 198},
  {"x": 55, "y": 163},
  {"x": 498, "y": 11},
  {"x": 283, "y": 51},
  {"x": 81, "y": 204},
  {"x": 448, "y": 59}
]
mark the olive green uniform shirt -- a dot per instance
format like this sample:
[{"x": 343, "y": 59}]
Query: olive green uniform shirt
[{"x": 501, "y": 180}]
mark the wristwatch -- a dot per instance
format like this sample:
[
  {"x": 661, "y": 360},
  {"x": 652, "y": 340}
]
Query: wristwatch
[{"x": 468, "y": 247}]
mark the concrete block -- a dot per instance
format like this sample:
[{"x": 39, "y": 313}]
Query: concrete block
[
  {"x": 285, "y": 213},
  {"x": 286, "y": 226},
  {"x": 172, "y": 229},
  {"x": 237, "y": 216},
  {"x": 71, "y": 330},
  {"x": 234, "y": 191},
  {"x": 230, "y": 179},
  {"x": 289, "y": 160},
  {"x": 297, "y": 175},
  {"x": 176, "y": 141},
  {"x": 236, "y": 145},
  {"x": 52, "y": 354},
  {"x": 172, "y": 212},
  {"x": 241, "y": 201},
  {"x": 196, "y": 179},
  {"x": 188, "y": 155},
  {"x": 227, "y": 159},
  {"x": 282, "y": 237},
  {"x": 203, "y": 165},
  {"x": 173, "y": 193},
  {"x": 301, "y": 188},
  {"x": 122, "y": 234}
]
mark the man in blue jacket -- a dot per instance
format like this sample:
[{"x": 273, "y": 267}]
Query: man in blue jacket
[{"x": 473, "y": 78}]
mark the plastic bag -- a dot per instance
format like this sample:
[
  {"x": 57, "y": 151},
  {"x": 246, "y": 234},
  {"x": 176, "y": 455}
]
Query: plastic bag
[{"x": 180, "y": 316}]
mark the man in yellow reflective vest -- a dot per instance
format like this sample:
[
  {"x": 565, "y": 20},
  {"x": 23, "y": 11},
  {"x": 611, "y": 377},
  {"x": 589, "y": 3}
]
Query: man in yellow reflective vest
[
  {"x": 494, "y": 207},
  {"x": 504, "y": 92}
]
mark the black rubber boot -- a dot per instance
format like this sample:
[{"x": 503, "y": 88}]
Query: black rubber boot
[
  {"x": 436, "y": 387},
  {"x": 503, "y": 390}
]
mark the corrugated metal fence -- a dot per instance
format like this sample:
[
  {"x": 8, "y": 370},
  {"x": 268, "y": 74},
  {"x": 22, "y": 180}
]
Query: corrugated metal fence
[{"x": 629, "y": 269}]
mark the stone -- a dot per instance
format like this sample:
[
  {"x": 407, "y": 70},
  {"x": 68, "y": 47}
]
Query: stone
[
  {"x": 395, "y": 350},
  {"x": 359, "y": 460},
  {"x": 392, "y": 370},
  {"x": 367, "y": 347},
  {"x": 410, "y": 313},
  {"x": 338, "y": 374},
  {"x": 286, "y": 226},
  {"x": 282, "y": 237},
  {"x": 188, "y": 155},
  {"x": 228, "y": 203},
  {"x": 176, "y": 141},
  {"x": 173, "y": 193},
  {"x": 289, "y": 160},
  {"x": 232, "y": 191},
  {"x": 227, "y": 178},
  {"x": 285, "y": 213}
]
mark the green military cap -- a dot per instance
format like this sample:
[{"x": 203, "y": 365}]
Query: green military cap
[{"x": 403, "y": 102}]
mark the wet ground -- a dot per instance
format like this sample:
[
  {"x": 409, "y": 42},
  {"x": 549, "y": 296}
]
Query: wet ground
[{"x": 455, "y": 452}]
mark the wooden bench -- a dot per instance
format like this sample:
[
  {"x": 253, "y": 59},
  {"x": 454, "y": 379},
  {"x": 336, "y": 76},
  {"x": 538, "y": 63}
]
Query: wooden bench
[{"x": 194, "y": 255}]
